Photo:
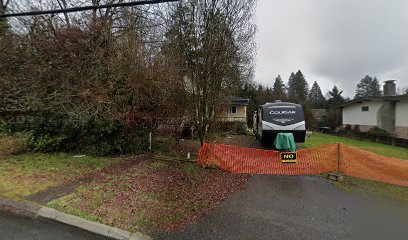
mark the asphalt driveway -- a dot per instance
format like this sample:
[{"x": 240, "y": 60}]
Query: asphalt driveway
[{"x": 295, "y": 207}]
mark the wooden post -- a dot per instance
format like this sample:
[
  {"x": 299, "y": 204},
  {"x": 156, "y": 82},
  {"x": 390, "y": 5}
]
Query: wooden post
[
  {"x": 337, "y": 176},
  {"x": 338, "y": 158},
  {"x": 150, "y": 141},
  {"x": 192, "y": 132}
]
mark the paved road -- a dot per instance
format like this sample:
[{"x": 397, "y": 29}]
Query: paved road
[
  {"x": 16, "y": 227},
  {"x": 295, "y": 207}
]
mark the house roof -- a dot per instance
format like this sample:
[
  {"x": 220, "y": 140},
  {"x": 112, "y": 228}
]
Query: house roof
[
  {"x": 375, "y": 98},
  {"x": 239, "y": 101}
]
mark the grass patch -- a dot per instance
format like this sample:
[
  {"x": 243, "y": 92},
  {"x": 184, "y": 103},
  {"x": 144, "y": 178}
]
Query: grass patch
[
  {"x": 223, "y": 135},
  {"x": 62, "y": 205},
  {"x": 391, "y": 193},
  {"x": 177, "y": 216},
  {"x": 318, "y": 139},
  {"x": 159, "y": 165},
  {"x": 25, "y": 174},
  {"x": 189, "y": 168},
  {"x": 142, "y": 222}
]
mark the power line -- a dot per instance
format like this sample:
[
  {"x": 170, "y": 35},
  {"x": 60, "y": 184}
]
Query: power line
[{"x": 78, "y": 9}]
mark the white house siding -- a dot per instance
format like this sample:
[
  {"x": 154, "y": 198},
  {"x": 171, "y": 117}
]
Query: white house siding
[
  {"x": 401, "y": 113},
  {"x": 239, "y": 116},
  {"x": 401, "y": 119},
  {"x": 353, "y": 114}
]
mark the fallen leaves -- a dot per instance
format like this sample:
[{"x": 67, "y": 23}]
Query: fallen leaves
[{"x": 147, "y": 195}]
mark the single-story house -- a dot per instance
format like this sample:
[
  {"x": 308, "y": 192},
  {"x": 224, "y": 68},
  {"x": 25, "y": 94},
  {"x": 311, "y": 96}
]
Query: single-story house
[
  {"x": 236, "y": 110},
  {"x": 388, "y": 112}
]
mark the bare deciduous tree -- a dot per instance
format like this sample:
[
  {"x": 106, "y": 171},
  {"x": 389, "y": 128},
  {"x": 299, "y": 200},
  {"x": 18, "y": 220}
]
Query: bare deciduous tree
[{"x": 211, "y": 43}]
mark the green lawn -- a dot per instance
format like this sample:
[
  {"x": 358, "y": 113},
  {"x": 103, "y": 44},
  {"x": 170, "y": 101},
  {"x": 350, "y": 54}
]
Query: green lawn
[
  {"x": 317, "y": 139},
  {"x": 391, "y": 193},
  {"x": 25, "y": 174}
]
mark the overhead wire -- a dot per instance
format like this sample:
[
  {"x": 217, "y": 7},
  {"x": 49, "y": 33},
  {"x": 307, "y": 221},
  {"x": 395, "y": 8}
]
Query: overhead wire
[{"x": 85, "y": 8}]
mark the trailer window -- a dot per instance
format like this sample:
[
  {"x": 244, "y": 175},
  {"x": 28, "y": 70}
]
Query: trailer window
[{"x": 364, "y": 109}]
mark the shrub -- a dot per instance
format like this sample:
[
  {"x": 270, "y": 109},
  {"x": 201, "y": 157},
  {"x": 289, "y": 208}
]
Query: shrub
[
  {"x": 334, "y": 119},
  {"x": 50, "y": 133},
  {"x": 11, "y": 144},
  {"x": 43, "y": 142},
  {"x": 110, "y": 138},
  {"x": 356, "y": 128},
  {"x": 376, "y": 131}
]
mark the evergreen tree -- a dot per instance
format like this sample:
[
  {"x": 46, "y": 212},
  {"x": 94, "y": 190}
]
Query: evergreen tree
[
  {"x": 375, "y": 88},
  {"x": 263, "y": 95},
  {"x": 334, "y": 116},
  {"x": 368, "y": 86},
  {"x": 298, "y": 86},
  {"x": 291, "y": 86},
  {"x": 315, "y": 97},
  {"x": 335, "y": 99},
  {"x": 248, "y": 90},
  {"x": 279, "y": 89}
]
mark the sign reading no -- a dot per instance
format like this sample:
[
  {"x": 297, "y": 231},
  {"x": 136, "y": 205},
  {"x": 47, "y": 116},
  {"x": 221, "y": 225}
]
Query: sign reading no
[{"x": 288, "y": 157}]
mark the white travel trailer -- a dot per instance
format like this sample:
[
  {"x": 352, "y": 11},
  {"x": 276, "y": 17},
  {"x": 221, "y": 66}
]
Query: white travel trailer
[{"x": 279, "y": 117}]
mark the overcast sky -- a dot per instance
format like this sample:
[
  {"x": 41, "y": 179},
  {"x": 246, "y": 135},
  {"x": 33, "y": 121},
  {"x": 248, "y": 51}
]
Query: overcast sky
[{"x": 332, "y": 41}]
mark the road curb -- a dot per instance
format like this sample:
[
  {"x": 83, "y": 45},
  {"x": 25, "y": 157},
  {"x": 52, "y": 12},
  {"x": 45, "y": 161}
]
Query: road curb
[{"x": 95, "y": 227}]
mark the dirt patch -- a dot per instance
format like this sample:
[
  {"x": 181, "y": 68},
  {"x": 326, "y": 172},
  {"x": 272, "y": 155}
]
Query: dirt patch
[
  {"x": 52, "y": 193},
  {"x": 247, "y": 141}
]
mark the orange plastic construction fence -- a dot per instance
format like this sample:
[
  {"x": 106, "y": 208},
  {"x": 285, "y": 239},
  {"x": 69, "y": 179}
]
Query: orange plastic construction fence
[{"x": 353, "y": 162}]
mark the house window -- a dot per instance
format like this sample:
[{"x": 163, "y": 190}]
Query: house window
[
  {"x": 233, "y": 109},
  {"x": 364, "y": 109}
]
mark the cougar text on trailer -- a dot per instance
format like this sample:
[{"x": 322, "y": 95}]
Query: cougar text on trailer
[{"x": 273, "y": 118}]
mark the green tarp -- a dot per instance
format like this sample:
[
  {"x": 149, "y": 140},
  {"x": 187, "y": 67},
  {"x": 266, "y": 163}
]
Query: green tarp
[{"x": 285, "y": 142}]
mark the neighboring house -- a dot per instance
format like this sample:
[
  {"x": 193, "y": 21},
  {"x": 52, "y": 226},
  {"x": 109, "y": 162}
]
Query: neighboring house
[
  {"x": 319, "y": 114},
  {"x": 236, "y": 107},
  {"x": 236, "y": 110},
  {"x": 388, "y": 112}
]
